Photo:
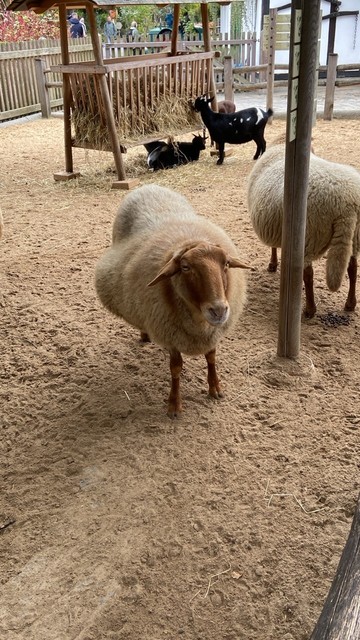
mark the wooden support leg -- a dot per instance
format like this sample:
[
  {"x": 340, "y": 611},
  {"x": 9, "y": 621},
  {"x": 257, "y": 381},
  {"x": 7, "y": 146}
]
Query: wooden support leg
[
  {"x": 121, "y": 183},
  {"x": 213, "y": 380},
  {"x": 69, "y": 173},
  {"x": 174, "y": 405}
]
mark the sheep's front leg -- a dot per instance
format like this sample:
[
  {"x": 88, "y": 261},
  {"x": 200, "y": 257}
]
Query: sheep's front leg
[
  {"x": 273, "y": 264},
  {"x": 221, "y": 146},
  {"x": 310, "y": 308},
  {"x": 350, "y": 303},
  {"x": 174, "y": 405},
  {"x": 213, "y": 380}
]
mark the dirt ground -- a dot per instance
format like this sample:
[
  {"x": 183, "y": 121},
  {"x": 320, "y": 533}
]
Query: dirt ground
[{"x": 117, "y": 522}]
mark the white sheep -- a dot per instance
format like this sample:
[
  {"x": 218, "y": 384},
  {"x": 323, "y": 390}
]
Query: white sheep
[
  {"x": 1, "y": 225},
  {"x": 333, "y": 218},
  {"x": 169, "y": 273}
]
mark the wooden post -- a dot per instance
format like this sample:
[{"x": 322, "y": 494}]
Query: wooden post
[
  {"x": 228, "y": 78},
  {"x": 334, "y": 8},
  {"x": 40, "y": 67},
  {"x": 270, "y": 76},
  {"x": 301, "y": 91},
  {"x": 121, "y": 183},
  {"x": 330, "y": 86},
  {"x": 340, "y": 617},
  {"x": 69, "y": 173},
  {"x": 207, "y": 47},
  {"x": 252, "y": 77},
  {"x": 175, "y": 31}
]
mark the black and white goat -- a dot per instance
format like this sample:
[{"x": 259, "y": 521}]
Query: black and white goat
[
  {"x": 235, "y": 128},
  {"x": 163, "y": 155}
]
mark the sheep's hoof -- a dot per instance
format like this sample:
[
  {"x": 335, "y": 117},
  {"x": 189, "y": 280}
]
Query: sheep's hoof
[
  {"x": 309, "y": 313},
  {"x": 220, "y": 161},
  {"x": 174, "y": 412},
  {"x": 350, "y": 305},
  {"x": 217, "y": 395},
  {"x": 272, "y": 268},
  {"x": 144, "y": 337}
]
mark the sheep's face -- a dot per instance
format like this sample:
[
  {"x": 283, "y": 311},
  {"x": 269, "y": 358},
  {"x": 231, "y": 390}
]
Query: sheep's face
[{"x": 201, "y": 279}]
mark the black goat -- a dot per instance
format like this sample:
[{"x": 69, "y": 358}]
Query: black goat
[
  {"x": 225, "y": 106},
  {"x": 235, "y": 128},
  {"x": 163, "y": 155}
]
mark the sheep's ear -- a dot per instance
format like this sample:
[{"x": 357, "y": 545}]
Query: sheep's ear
[
  {"x": 236, "y": 263},
  {"x": 169, "y": 270},
  {"x": 173, "y": 266}
]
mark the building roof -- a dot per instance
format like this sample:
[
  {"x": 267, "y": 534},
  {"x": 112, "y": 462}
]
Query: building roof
[{"x": 39, "y": 6}]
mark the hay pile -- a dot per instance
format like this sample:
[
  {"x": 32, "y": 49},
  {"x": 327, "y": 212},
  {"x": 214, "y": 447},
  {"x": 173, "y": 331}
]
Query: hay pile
[{"x": 139, "y": 115}]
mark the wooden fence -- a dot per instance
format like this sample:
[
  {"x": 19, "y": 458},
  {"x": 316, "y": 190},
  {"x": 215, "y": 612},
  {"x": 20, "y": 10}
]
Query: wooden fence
[
  {"x": 22, "y": 78},
  {"x": 19, "y": 93}
]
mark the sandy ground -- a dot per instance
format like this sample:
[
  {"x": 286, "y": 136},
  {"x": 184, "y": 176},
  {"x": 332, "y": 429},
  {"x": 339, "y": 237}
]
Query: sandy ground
[{"x": 117, "y": 522}]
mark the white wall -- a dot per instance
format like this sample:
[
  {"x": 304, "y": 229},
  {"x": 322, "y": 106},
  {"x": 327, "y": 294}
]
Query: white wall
[
  {"x": 225, "y": 15},
  {"x": 347, "y": 38}
]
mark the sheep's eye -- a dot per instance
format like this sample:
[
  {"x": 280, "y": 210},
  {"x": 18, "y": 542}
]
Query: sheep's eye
[
  {"x": 227, "y": 264},
  {"x": 185, "y": 267}
]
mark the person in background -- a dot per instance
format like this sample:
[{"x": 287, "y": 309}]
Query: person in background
[
  {"x": 76, "y": 28},
  {"x": 183, "y": 22},
  {"x": 118, "y": 26},
  {"x": 109, "y": 30},
  {"x": 134, "y": 30},
  {"x": 169, "y": 19},
  {"x": 82, "y": 22}
]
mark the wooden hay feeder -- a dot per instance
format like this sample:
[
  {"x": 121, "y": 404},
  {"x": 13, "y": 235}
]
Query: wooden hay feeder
[{"x": 115, "y": 103}]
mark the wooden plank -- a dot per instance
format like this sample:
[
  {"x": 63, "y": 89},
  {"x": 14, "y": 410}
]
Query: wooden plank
[
  {"x": 157, "y": 72},
  {"x": 152, "y": 63},
  {"x": 138, "y": 91},
  {"x": 145, "y": 94},
  {"x": 340, "y": 617},
  {"x": 33, "y": 53},
  {"x": 131, "y": 97},
  {"x": 330, "y": 86},
  {"x": 19, "y": 112},
  {"x": 77, "y": 67}
]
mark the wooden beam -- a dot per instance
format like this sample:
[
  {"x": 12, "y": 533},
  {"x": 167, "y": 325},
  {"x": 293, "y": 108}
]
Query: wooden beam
[
  {"x": 330, "y": 86},
  {"x": 340, "y": 617},
  {"x": 108, "y": 107},
  {"x": 270, "y": 71},
  {"x": 207, "y": 48},
  {"x": 69, "y": 172},
  {"x": 301, "y": 91},
  {"x": 175, "y": 29}
]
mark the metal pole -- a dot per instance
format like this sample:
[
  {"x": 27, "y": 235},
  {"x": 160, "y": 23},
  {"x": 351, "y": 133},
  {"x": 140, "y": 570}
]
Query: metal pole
[{"x": 301, "y": 92}]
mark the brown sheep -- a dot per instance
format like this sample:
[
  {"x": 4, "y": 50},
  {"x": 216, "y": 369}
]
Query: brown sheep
[{"x": 175, "y": 276}]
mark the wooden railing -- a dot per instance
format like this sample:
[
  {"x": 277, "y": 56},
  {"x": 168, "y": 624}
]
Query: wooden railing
[
  {"x": 19, "y": 93},
  {"x": 19, "y": 81}
]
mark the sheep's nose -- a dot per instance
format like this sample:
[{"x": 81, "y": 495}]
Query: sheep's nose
[{"x": 218, "y": 313}]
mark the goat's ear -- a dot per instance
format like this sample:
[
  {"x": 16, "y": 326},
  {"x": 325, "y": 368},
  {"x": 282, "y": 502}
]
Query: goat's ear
[{"x": 236, "y": 263}]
